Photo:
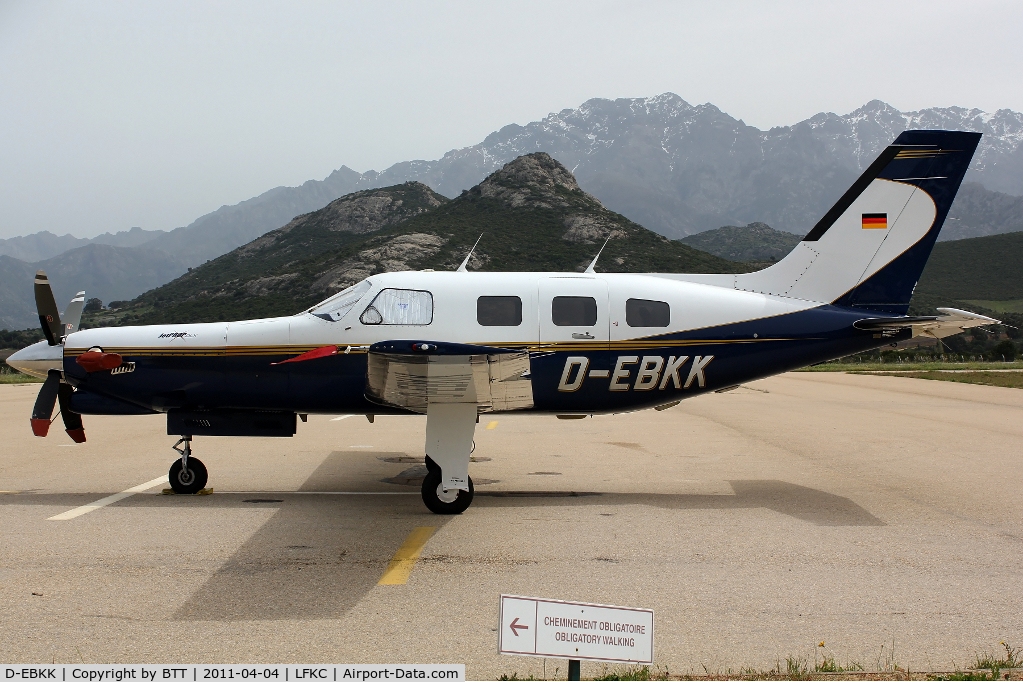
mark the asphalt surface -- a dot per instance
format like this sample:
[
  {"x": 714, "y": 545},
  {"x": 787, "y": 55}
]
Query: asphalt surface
[{"x": 854, "y": 510}]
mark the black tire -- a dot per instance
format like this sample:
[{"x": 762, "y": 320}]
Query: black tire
[
  {"x": 188, "y": 482},
  {"x": 433, "y": 501},
  {"x": 431, "y": 465}
]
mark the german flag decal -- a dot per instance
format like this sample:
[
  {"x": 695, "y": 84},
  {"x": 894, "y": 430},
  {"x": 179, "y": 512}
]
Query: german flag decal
[{"x": 875, "y": 221}]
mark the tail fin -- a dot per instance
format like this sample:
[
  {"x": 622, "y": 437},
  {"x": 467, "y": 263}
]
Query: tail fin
[{"x": 868, "y": 251}]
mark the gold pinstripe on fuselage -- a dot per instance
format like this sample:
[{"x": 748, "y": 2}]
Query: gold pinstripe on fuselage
[{"x": 581, "y": 346}]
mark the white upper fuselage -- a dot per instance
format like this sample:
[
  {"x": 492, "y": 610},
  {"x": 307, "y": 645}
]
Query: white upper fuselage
[{"x": 454, "y": 319}]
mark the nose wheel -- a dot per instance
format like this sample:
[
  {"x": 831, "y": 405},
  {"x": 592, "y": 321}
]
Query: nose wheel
[
  {"x": 440, "y": 501},
  {"x": 187, "y": 475}
]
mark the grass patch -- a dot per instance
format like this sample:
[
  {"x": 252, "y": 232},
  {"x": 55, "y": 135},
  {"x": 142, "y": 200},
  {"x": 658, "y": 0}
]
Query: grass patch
[
  {"x": 819, "y": 664},
  {"x": 630, "y": 673},
  {"x": 18, "y": 378},
  {"x": 999, "y": 306},
  {"x": 1004, "y": 379},
  {"x": 904, "y": 366}
]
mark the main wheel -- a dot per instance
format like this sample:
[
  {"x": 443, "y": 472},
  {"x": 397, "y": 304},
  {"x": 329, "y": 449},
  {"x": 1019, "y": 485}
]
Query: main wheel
[
  {"x": 190, "y": 481},
  {"x": 440, "y": 502}
]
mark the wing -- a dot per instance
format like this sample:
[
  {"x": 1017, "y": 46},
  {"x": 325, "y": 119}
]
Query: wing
[{"x": 414, "y": 374}]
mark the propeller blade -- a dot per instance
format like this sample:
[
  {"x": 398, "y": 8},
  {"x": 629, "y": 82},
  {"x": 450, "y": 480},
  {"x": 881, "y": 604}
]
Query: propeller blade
[
  {"x": 73, "y": 313},
  {"x": 72, "y": 420},
  {"x": 46, "y": 306},
  {"x": 42, "y": 412}
]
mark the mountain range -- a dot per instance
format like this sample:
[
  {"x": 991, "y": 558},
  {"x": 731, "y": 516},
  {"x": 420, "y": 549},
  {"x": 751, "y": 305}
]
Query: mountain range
[
  {"x": 672, "y": 167},
  {"x": 43, "y": 245},
  {"x": 532, "y": 214}
]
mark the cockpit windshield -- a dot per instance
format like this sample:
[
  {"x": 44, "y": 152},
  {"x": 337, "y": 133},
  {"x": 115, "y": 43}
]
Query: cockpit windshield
[{"x": 338, "y": 305}]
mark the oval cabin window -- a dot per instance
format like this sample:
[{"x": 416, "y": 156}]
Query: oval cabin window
[
  {"x": 499, "y": 311},
  {"x": 639, "y": 312},
  {"x": 574, "y": 311}
]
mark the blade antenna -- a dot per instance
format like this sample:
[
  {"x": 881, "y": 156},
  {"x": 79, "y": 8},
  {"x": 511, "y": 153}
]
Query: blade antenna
[
  {"x": 461, "y": 268},
  {"x": 594, "y": 263}
]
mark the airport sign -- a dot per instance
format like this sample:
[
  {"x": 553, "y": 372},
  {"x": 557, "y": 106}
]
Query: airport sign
[{"x": 530, "y": 626}]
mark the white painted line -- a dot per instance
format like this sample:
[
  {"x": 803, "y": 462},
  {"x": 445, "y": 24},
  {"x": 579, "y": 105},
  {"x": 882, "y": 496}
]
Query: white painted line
[
  {"x": 344, "y": 416},
  {"x": 117, "y": 497},
  {"x": 360, "y": 446}
]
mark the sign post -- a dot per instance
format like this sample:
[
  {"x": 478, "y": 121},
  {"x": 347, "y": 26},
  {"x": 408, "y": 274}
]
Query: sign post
[{"x": 530, "y": 626}]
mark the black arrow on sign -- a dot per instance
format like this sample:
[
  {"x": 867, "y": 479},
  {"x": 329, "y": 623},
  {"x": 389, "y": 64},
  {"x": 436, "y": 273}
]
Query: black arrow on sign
[{"x": 515, "y": 628}]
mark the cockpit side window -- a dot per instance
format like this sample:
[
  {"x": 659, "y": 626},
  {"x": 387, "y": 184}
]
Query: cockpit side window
[
  {"x": 400, "y": 306},
  {"x": 339, "y": 305}
]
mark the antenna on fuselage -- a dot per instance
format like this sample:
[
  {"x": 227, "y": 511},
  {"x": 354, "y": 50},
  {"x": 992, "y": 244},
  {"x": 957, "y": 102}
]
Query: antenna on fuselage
[
  {"x": 461, "y": 268},
  {"x": 594, "y": 263}
]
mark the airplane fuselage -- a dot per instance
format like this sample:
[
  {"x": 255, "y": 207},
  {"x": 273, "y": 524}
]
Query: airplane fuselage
[{"x": 597, "y": 343}]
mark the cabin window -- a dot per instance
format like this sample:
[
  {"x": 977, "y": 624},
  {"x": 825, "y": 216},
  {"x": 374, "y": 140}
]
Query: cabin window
[
  {"x": 574, "y": 311},
  {"x": 338, "y": 305},
  {"x": 400, "y": 306},
  {"x": 640, "y": 312},
  {"x": 499, "y": 311}
]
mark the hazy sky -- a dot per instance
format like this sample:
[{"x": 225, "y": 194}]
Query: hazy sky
[{"x": 146, "y": 113}]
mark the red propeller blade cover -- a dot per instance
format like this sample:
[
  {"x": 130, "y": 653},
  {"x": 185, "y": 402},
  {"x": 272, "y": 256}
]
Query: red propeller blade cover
[
  {"x": 94, "y": 361},
  {"x": 40, "y": 427}
]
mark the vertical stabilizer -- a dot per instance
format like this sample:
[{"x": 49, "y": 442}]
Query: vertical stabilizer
[{"x": 868, "y": 251}]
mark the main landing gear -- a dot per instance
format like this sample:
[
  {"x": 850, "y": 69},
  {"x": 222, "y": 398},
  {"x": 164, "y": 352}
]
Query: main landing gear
[
  {"x": 187, "y": 475},
  {"x": 440, "y": 501}
]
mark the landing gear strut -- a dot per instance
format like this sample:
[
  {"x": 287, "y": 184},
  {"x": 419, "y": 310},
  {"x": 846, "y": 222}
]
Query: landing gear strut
[{"x": 187, "y": 475}]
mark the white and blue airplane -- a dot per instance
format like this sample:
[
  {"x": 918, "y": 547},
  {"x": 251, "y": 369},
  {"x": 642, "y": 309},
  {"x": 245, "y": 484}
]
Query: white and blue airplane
[{"x": 453, "y": 345}]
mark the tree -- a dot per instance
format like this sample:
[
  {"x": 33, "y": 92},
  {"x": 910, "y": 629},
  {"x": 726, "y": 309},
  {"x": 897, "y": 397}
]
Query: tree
[
  {"x": 93, "y": 305},
  {"x": 1006, "y": 349}
]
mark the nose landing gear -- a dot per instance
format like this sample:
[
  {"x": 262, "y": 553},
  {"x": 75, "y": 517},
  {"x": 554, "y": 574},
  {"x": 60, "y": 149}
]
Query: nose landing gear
[
  {"x": 441, "y": 501},
  {"x": 187, "y": 475}
]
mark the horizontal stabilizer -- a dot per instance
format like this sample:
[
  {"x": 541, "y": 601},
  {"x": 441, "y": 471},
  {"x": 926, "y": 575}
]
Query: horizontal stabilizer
[
  {"x": 953, "y": 321},
  {"x": 888, "y": 323}
]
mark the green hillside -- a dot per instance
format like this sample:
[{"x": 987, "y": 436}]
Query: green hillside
[
  {"x": 753, "y": 242},
  {"x": 985, "y": 271},
  {"x": 532, "y": 215}
]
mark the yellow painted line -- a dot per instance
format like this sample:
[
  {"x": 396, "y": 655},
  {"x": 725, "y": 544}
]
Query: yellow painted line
[
  {"x": 117, "y": 497},
  {"x": 404, "y": 560},
  {"x": 491, "y": 425}
]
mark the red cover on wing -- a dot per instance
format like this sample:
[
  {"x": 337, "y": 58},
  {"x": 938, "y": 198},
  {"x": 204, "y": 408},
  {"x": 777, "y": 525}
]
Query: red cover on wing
[{"x": 94, "y": 361}]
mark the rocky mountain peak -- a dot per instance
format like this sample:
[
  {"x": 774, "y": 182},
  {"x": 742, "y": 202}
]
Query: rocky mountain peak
[
  {"x": 538, "y": 168},
  {"x": 358, "y": 213},
  {"x": 532, "y": 181}
]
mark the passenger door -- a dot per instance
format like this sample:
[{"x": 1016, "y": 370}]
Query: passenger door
[
  {"x": 574, "y": 312},
  {"x": 574, "y": 336}
]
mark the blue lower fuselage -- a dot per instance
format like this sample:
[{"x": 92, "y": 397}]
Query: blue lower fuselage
[{"x": 249, "y": 380}]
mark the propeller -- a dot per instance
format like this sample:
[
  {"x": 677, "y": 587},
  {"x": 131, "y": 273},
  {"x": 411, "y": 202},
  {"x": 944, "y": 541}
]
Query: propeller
[
  {"x": 73, "y": 313},
  {"x": 54, "y": 389},
  {"x": 46, "y": 306}
]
